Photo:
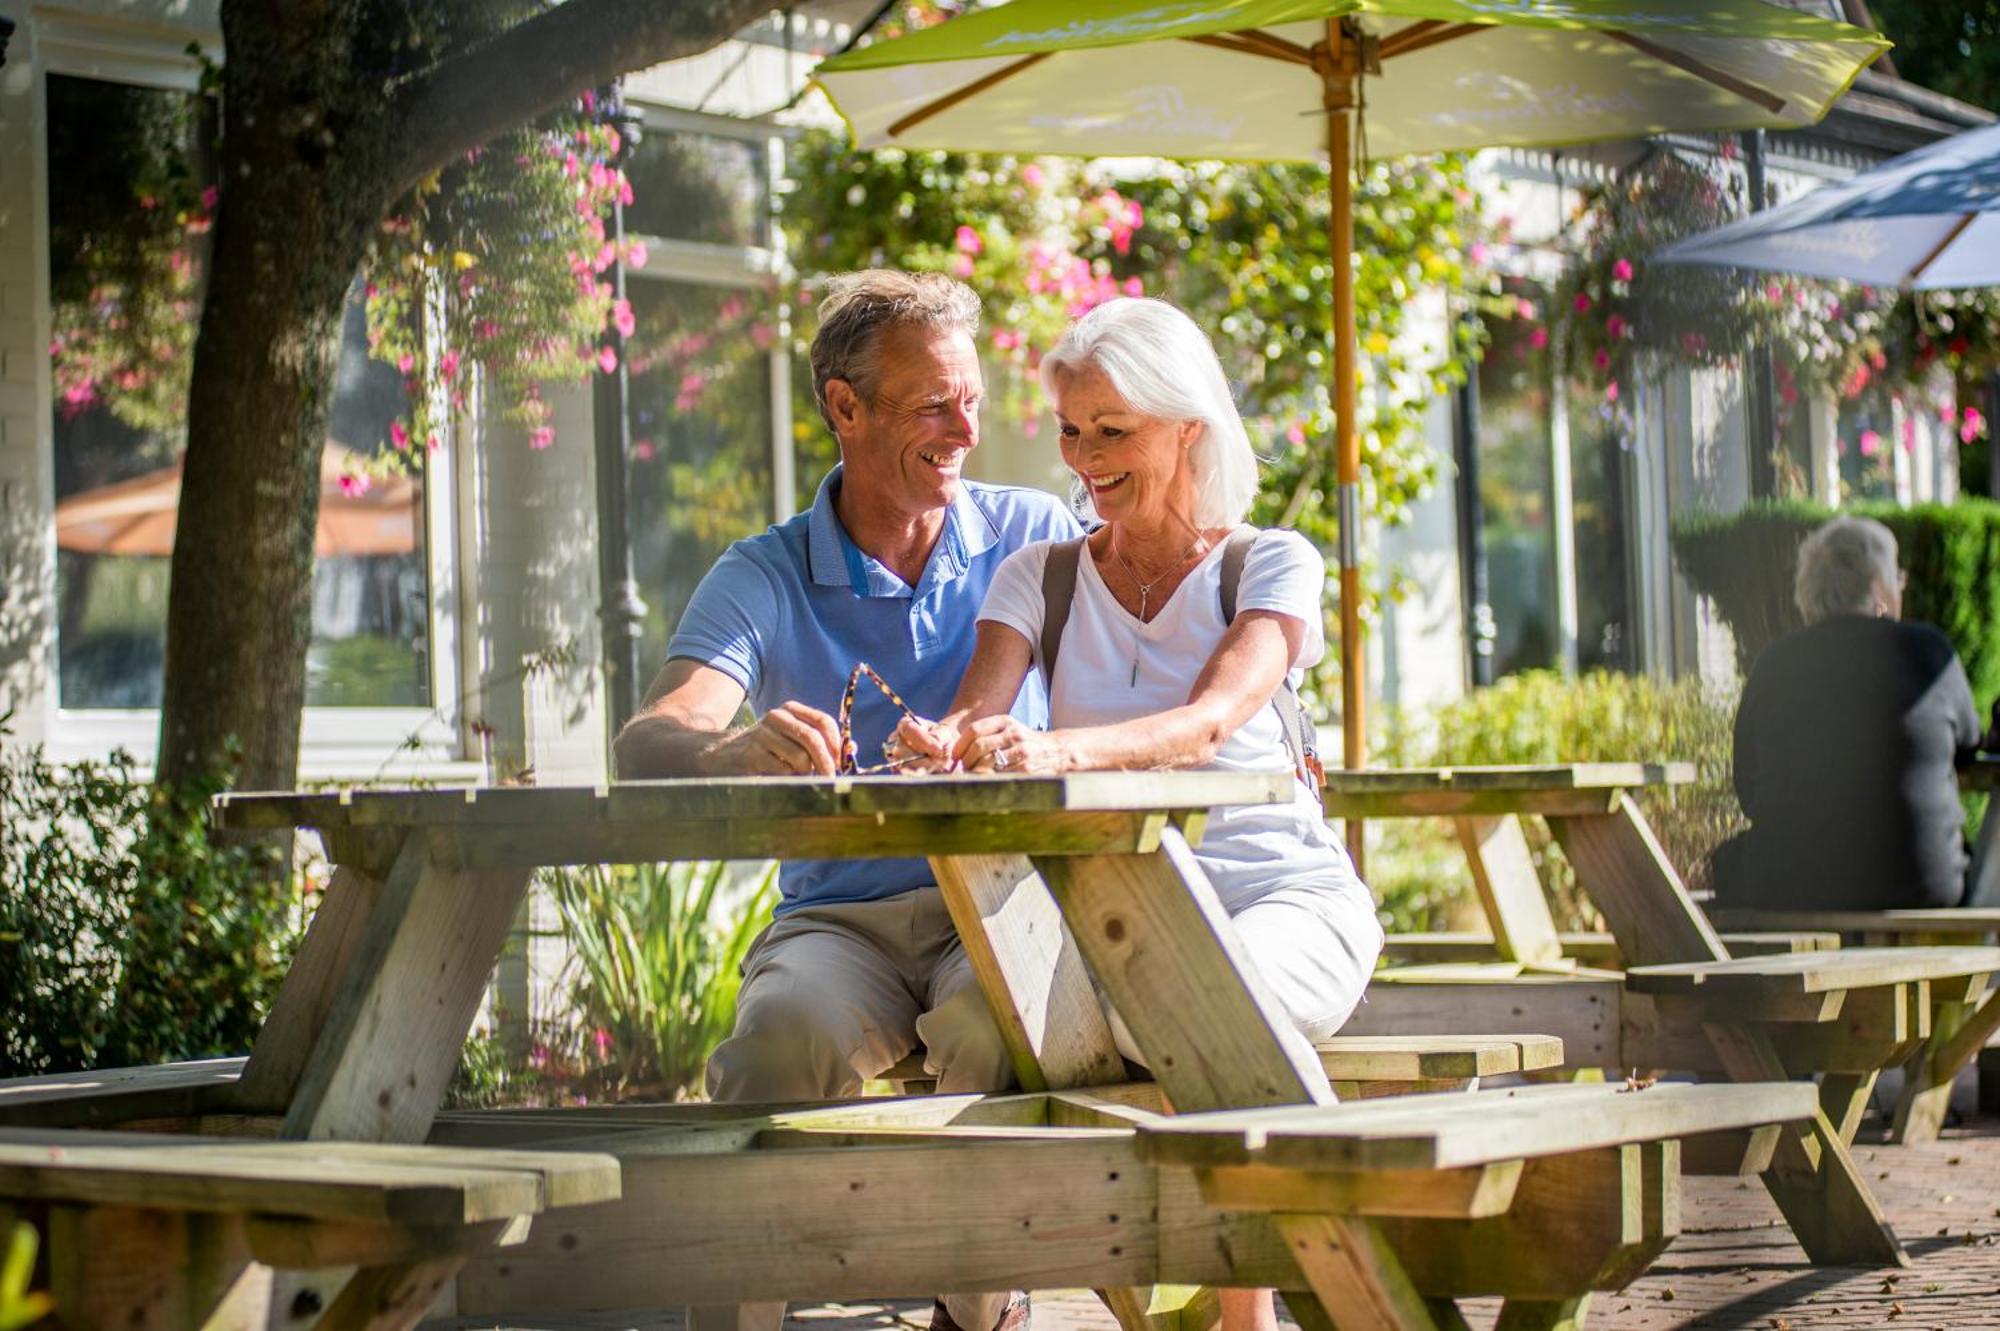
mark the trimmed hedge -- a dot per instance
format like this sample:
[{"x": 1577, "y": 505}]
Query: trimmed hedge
[{"x": 1745, "y": 561}]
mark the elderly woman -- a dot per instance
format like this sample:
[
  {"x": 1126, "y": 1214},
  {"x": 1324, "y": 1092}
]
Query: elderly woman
[
  {"x": 1152, "y": 673},
  {"x": 1846, "y": 743}
]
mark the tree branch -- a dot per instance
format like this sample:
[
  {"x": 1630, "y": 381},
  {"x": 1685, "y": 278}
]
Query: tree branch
[{"x": 537, "y": 65}]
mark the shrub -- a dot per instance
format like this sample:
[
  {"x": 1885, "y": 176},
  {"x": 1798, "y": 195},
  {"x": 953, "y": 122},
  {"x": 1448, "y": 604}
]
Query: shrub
[
  {"x": 18, "y": 1307},
  {"x": 1542, "y": 717},
  {"x": 1745, "y": 562},
  {"x": 126, "y": 935},
  {"x": 652, "y": 980}
]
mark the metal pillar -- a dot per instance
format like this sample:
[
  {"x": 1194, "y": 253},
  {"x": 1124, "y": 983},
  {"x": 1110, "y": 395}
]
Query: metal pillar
[
  {"x": 1759, "y": 394},
  {"x": 620, "y": 610}
]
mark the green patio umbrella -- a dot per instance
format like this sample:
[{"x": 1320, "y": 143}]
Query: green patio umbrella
[{"x": 1288, "y": 80}]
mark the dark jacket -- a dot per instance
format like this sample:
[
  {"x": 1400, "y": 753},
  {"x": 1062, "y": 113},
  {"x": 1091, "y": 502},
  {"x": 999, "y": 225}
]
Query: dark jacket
[{"x": 1847, "y": 741}]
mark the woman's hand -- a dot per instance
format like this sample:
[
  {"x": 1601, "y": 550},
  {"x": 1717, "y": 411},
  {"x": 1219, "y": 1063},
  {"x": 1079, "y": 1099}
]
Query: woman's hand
[
  {"x": 1002, "y": 744},
  {"x": 923, "y": 746}
]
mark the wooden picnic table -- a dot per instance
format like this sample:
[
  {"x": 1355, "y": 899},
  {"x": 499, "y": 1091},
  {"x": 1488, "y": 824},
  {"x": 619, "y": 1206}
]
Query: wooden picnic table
[
  {"x": 1040, "y": 875},
  {"x": 1684, "y": 1002}
]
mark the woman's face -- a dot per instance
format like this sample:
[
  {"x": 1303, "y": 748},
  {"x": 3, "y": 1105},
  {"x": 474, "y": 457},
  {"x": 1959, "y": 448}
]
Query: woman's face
[{"x": 1134, "y": 467}]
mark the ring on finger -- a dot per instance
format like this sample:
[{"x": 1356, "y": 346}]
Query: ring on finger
[{"x": 999, "y": 759}]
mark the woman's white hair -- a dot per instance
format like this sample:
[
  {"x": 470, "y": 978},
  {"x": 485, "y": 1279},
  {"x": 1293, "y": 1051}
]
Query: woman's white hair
[
  {"x": 1839, "y": 566},
  {"x": 1163, "y": 365}
]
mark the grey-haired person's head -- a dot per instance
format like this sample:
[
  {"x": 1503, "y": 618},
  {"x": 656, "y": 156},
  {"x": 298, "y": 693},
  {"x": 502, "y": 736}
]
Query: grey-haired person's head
[
  {"x": 1161, "y": 363},
  {"x": 863, "y": 308},
  {"x": 1847, "y": 567}
]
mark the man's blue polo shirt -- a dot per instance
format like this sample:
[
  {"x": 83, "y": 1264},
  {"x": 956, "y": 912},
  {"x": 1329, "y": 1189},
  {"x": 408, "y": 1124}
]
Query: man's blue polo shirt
[{"x": 788, "y": 613}]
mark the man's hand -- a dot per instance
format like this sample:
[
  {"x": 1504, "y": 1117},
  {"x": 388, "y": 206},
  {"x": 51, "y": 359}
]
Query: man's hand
[
  {"x": 791, "y": 739},
  {"x": 923, "y": 746}
]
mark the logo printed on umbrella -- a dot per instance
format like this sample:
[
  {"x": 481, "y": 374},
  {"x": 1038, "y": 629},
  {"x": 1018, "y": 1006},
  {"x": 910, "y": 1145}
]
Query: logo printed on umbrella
[
  {"x": 1161, "y": 108},
  {"x": 1857, "y": 240},
  {"x": 1139, "y": 23}
]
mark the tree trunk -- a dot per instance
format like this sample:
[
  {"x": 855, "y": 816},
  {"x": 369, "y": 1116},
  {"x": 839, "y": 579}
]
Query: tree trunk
[{"x": 290, "y": 233}]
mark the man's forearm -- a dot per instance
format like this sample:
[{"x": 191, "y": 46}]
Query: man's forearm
[{"x": 653, "y": 746}]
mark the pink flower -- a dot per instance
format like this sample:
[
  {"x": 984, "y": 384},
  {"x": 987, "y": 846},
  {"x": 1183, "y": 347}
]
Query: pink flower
[
  {"x": 643, "y": 450},
  {"x": 731, "y": 310},
  {"x": 1006, "y": 339},
  {"x": 541, "y": 437},
  {"x": 1295, "y": 434},
  {"x": 1033, "y": 176},
  {"x": 1477, "y": 253},
  {"x": 1539, "y": 338},
  {"x": 1622, "y": 270},
  {"x": 1602, "y": 360},
  {"x": 1871, "y": 443},
  {"x": 635, "y": 254},
  {"x": 607, "y": 360},
  {"x": 448, "y": 365},
  {"x": 961, "y": 265},
  {"x": 1134, "y": 287},
  {"x": 1031, "y": 427},
  {"x": 968, "y": 242},
  {"x": 602, "y": 1039},
  {"x": 405, "y": 363},
  {"x": 1616, "y": 325},
  {"x": 209, "y": 196},
  {"x": 1611, "y": 391},
  {"x": 354, "y": 485},
  {"x": 1524, "y": 308},
  {"x": 1582, "y": 302},
  {"x": 1908, "y": 434},
  {"x": 1774, "y": 293},
  {"x": 621, "y": 318},
  {"x": 398, "y": 435},
  {"x": 1971, "y": 425}
]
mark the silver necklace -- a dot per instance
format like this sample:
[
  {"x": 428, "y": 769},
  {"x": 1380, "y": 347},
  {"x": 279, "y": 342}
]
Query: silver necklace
[{"x": 1146, "y": 589}]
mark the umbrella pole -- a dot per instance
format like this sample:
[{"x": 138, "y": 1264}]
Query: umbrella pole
[{"x": 1339, "y": 76}]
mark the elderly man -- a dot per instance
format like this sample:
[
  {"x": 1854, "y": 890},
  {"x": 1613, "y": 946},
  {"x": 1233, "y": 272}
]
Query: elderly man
[
  {"x": 889, "y": 568},
  {"x": 1846, "y": 741}
]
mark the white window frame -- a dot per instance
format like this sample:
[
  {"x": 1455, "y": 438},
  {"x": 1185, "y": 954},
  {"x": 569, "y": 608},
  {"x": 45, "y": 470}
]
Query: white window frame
[{"x": 336, "y": 743}]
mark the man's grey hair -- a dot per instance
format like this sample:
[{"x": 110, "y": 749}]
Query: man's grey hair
[
  {"x": 860, "y": 308},
  {"x": 1839, "y": 566}
]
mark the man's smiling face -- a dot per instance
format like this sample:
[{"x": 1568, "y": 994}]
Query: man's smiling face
[{"x": 907, "y": 447}]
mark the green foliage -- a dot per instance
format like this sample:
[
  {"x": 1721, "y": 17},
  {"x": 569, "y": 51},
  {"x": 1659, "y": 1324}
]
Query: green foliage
[
  {"x": 653, "y": 976},
  {"x": 1542, "y": 717},
  {"x": 1242, "y": 247},
  {"x": 18, "y": 1307},
  {"x": 126, "y": 935},
  {"x": 1746, "y": 561},
  {"x": 1948, "y": 46}
]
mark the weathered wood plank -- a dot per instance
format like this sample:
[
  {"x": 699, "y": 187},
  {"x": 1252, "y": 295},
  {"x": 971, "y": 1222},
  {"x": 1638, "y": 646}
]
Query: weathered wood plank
[
  {"x": 1420, "y": 1058},
  {"x": 1748, "y": 979},
  {"x": 750, "y": 798},
  {"x": 394, "y": 1030},
  {"x": 115, "y": 1096},
  {"x": 1582, "y": 1010},
  {"x": 1445, "y": 1132},
  {"x": 1503, "y": 873},
  {"x": 1438, "y": 1194},
  {"x": 1356, "y": 1274},
  {"x": 1159, "y": 941},
  {"x": 1030, "y": 970},
  {"x": 1960, "y": 924},
  {"x": 356, "y": 1181},
  {"x": 1591, "y": 948}
]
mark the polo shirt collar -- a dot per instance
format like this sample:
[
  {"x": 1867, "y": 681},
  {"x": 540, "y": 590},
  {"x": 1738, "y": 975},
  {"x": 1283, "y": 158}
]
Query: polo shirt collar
[{"x": 836, "y": 561}]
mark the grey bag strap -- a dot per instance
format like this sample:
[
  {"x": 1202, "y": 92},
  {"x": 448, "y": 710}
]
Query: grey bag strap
[
  {"x": 1301, "y": 745},
  {"x": 1059, "y": 592}
]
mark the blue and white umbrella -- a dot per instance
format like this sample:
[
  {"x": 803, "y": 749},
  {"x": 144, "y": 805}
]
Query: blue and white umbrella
[{"x": 1928, "y": 220}]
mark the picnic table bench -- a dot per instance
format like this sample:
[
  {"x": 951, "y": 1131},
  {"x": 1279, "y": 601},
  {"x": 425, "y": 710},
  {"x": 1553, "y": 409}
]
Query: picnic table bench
[
  {"x": 1041, "y": 875},
  {"x": 1380, "y": 1212},
  {"x": 1746, "y": 1018},
  {"x": 154, "y": 1231}
]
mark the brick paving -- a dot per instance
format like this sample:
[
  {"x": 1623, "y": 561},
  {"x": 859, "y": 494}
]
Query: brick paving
[{"x": 1735, "y": 1265}]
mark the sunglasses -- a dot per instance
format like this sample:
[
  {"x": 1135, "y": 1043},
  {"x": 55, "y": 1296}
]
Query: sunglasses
[{"x": 850, "y": 758}]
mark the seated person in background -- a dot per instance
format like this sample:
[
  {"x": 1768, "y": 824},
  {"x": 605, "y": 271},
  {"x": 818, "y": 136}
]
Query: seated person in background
[
  {"x": 1847, "y": 741},
  {"x": 1153, "y": 672}
]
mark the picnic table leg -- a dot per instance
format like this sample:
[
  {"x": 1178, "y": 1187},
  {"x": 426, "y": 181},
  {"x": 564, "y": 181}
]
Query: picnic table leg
[
  {"x": 384, "y": 1049},
  {"x": 389, "y": 1298},
  {"x": 1812, "y": 1177},
  {"x": 1619, "y": 862},
  {"x": 1503, "y": 871},
  {"x": 1356, "y": 1279},
  {"x": 1055, "y": 1030},
  {"x": 1844, "y": 1097},
  {"x": 1959, "y": 1030},
  {"x": 1542, "y": 1314}
]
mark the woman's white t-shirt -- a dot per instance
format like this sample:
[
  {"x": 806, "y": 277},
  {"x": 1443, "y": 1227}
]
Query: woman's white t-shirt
[{"x": 1247, "y": 851}]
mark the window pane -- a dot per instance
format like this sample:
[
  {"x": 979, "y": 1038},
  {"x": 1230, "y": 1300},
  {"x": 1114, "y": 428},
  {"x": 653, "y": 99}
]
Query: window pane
[
  {"x": 1514, "y": 485},
  {"x": 688, "y": 186},
  {"x": 701, "y": 438},
  {"x": 121, "y": 251}
]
